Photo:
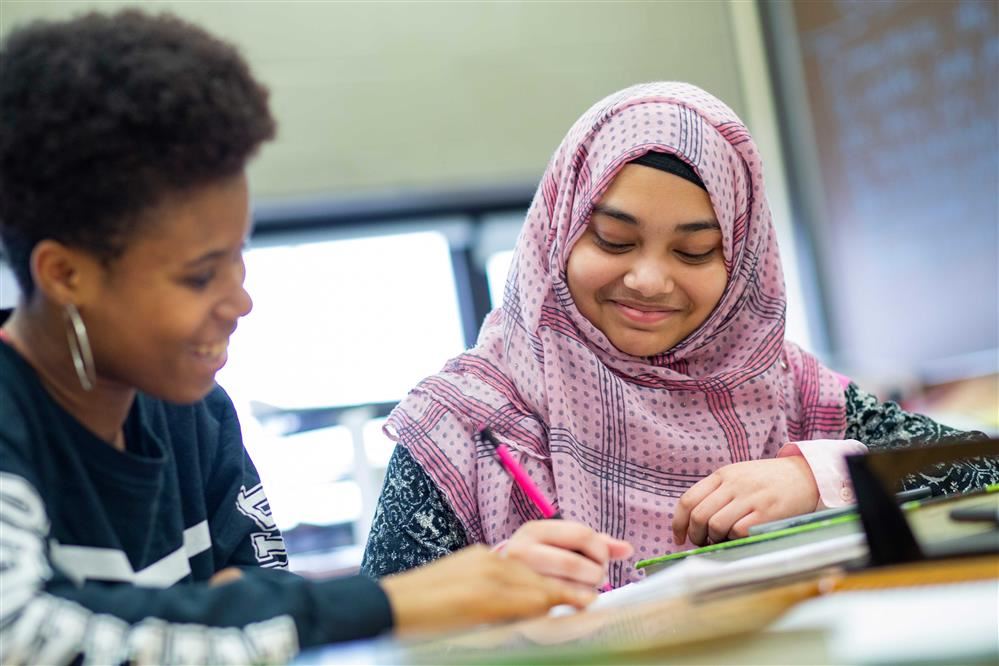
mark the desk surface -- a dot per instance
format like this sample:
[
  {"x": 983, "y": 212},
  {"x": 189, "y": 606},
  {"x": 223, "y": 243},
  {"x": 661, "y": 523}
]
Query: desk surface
[
  {"x": 672, "y": 631},
  {"x": 791, "y": 623},
  {"x": 801, "y": 647}
]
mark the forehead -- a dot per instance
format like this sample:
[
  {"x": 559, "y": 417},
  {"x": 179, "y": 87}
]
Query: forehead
[
  {"x": 651, "y": 195},
  {"x": 192, "y": 221},
  {"x": 611, "y": 140}
]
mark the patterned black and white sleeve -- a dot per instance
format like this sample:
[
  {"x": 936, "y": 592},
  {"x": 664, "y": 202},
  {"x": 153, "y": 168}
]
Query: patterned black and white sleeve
[
  {"x": 265, "y": 616},
  {"x": 413, "y": 523},
  {"x": 885, "y": 426}
]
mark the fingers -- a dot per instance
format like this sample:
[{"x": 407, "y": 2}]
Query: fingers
[
  {"x": 568, "y": 592},
  {"x": 690, "y": 499},
  {"x": 741, "y": 527},
  {"x": 566, "y": 549},
  {"x": 476, "y": 585},
  {"x": 565, "y": 534},
  {"x": 525, "y": 592},
  {"x": 697, "y": 530},
  {"x": 471, "y": 587},
  {"x": 558, "y": 562},
  {"x": 720, "y": 524}
]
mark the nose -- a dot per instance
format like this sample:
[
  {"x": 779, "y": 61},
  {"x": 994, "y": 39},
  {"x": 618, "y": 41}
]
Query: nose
[
  {"x": 243, "y": 303},
  {"x": 649, "y": 277},
  {"x": 237, "y": 304}
]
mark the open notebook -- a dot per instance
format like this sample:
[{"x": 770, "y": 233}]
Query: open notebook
[{"x": 699, "y": 575}]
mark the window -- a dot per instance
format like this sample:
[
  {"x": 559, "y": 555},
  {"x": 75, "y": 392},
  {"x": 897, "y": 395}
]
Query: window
[
  {"x": 8, "y": 286},
  {"x": 344, "y": 322},
  {"x": 497, "y": 268},
  {"x": 335, "y": 323}
]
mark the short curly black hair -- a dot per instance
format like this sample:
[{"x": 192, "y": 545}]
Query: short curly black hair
[{"x": 103, "y": 115}]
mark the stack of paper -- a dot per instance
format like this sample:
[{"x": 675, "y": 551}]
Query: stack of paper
[{"x": 696, "y": 575}]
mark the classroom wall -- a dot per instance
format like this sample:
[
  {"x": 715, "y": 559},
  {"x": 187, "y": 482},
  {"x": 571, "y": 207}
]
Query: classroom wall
[
  {"x": 390, "y": 96},
  {"x": 374, "y": 96},
  {"x": 896, "y": 137}
]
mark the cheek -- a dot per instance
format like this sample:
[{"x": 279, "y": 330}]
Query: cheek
[
  {"x": 114, "y": 316},
  {"x": 574, "y": 276},
  {"x": 710, "y": 287},
  {"x": 588, "y": 271},
  {"x": 149, "y": 322}
]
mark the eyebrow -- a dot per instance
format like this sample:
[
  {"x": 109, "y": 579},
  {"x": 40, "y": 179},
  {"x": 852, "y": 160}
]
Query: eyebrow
[
  {"x": 686, "y": 227},
  {"x": 700, "y": 225},
  {"x": 214, "y": 255},
  {"x": 617, "y": 214},
  {"x": 207, "y": 257}
]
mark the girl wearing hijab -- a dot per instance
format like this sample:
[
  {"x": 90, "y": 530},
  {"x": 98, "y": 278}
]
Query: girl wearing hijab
[{"x": 637, "y": 366}]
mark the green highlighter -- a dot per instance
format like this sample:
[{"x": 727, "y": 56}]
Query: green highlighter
[{"x": 756, "y": 538}]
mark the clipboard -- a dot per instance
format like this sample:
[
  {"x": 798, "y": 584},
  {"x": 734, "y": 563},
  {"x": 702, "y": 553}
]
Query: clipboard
[{"x": 889, "y": 529}]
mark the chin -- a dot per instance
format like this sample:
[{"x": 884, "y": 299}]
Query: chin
[
  {"x": 185, "y": 395},
  {"x": 640, "y": 348}
]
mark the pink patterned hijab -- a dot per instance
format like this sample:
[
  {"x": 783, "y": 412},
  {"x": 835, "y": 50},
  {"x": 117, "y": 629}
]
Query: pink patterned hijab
[{"x": 615, "y": 439}]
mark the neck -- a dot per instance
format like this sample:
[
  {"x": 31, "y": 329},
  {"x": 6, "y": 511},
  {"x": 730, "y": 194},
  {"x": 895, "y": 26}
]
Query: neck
[{"x": 38, "y": 332}]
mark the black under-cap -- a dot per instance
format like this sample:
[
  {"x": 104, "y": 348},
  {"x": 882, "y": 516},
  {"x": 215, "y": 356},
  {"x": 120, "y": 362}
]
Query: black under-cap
[{"x": 670, "y": 164}]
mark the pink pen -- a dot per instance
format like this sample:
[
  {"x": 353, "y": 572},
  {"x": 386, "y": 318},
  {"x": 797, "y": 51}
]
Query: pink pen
[
  {"x": 520, "y": 476},
  {"x": 522, "y": 480}
]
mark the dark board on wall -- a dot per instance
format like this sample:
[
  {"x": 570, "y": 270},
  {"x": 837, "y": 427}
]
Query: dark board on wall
[{"x": 902, "y": 104}]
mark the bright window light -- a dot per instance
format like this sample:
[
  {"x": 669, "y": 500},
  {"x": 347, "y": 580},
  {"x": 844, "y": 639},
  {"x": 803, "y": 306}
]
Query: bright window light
[
  {"x": 497, "y": 267},
  {"x": 377, "y": 446},
  {"x": 344, "y": 322},
  {"x": 335, "y": 323}
]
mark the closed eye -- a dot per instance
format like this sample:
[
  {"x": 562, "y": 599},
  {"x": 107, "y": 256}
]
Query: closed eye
[
  {"x": 199, "y": 281},
  {"x": 616, "y": 248},
  {"x": 695, "y": 258}
]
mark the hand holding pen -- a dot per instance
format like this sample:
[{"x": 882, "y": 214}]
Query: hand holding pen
[{"x": 561, "y": 549}]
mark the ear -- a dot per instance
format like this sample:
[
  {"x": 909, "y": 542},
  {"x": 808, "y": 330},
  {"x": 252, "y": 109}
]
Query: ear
[{"x": 64, "y": 274}]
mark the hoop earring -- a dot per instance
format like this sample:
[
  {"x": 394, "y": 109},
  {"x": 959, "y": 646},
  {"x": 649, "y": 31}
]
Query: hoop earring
[{"x": 79, "y": 347}]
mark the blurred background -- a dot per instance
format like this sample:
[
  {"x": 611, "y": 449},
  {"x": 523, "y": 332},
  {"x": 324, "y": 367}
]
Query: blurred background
[{"x": 411, "y": 139}]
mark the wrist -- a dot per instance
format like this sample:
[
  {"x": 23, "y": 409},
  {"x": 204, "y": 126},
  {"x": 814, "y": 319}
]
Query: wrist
[
  {"x": 812, "y": 498},
  {"x": 826, "y": 459},
  {"x": 405, "y": 618}
]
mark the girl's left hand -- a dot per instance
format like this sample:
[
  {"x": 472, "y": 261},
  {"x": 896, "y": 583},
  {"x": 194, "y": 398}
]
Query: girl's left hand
[{"x": 725, "y": 504}]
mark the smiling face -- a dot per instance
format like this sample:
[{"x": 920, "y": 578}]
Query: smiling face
[
  {"x": 649, "y": 268},
  {"x": 159, "y": 316}
]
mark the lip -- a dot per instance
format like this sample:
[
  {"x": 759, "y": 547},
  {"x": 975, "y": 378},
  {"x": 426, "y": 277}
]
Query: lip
[
  {"x": 643, "y": 314},
  {"x": 211, "y": 356}
]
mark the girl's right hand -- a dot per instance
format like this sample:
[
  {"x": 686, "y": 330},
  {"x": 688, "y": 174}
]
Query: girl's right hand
[
  {"x": 474, "y": 586},
  {"x": 566, "y": 550}
]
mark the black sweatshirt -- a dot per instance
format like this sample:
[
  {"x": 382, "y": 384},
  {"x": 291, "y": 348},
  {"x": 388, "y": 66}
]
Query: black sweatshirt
[{"x": 104, "y": 553}]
